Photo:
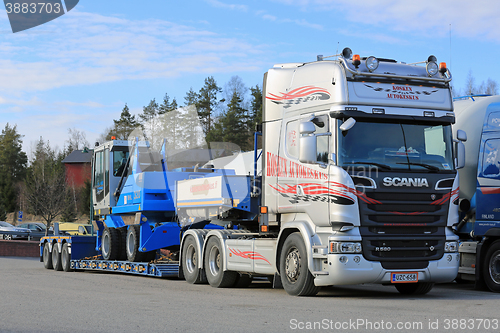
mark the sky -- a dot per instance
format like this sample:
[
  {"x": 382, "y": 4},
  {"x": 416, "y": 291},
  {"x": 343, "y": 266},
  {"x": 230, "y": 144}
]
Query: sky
[{"x": 79, "y": 70}]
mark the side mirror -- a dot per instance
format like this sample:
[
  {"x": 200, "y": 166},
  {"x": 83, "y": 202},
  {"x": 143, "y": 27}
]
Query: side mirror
[
  {"x": 460, "y": 154},
  {"x": 307, "y": 128},
  {"x": 348, "y": 124},
  {"x": 461, "y": 135},
  {"x": 307, "y": 143}
]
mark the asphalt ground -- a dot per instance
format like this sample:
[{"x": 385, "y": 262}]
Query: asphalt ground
[{"x": 34, "y": 299}]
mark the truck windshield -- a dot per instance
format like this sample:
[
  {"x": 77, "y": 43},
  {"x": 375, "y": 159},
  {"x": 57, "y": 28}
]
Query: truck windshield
[{"x": 396, "y": 146}]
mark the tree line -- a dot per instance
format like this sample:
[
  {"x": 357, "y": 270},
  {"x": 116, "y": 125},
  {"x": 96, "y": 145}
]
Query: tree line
[{"x": 212, "y": 114}]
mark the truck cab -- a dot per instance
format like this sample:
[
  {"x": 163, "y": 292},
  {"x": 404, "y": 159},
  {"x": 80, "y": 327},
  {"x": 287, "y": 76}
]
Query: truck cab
[{"x": 479, "y": 228}]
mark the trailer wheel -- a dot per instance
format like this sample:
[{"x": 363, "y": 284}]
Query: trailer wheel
[
  {"x": 491, "y": 267},
  {"x": 123, "y": 243},
  {"x": 111, "y": 245},
  {"x": 419, "y": 288},
  {"x": 47, "y": 257},
  {"x": 66, "y": 258},
  {"x": 214, "y": 268},
  {"x": 190, "y": 263},
  {"x": 132, "y": 243},
  {"x": 56, "y": 258},
  {"x": 295, "y": 275}
]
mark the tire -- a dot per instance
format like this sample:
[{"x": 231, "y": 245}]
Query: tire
[
  {"x": 66, "y": 258},
  {"x": 7, "y": 237},
  {"x": 123, "y": 243},
  {"x": 132, "y": 244},
  {"x": 243, "y": 281},
  {"x": 110, "y": 244},
  {"x": 46, "y": 256},
  {"x": 294, "y": 271},
  {"x": 190, "y": 263},
  {"x": 214, "y": 266},
  {"x": 419, "y": 288},
  {"x": 56, "y": 258},
  {"x": 491, "y": 267}
]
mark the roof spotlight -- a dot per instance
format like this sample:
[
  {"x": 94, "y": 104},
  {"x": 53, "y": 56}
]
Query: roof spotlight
[
  {"x": 371, "y": 63},
  {"x": 432, "y": 58},
  {"x": 347, "y": 53},
  {"x": 432, "y": 68}
]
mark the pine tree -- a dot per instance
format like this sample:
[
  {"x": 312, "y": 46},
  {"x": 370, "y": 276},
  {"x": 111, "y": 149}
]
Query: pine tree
[
  {"x": 232, "y": 126},
  {"x": 207, "y": 102},
  {"x": 191, "y": 97},
  {"x": 123, "y": 126},
  {"x": 256, "y": 106},
  {"x": 12, "y": 168},
  {"x": 171, "y": 120}
]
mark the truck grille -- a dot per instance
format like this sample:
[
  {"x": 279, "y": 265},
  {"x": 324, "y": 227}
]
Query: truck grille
[{"x": 402, "y": 226}]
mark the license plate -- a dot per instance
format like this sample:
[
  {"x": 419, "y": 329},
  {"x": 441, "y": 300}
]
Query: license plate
[{"x": 404, "y": 277}]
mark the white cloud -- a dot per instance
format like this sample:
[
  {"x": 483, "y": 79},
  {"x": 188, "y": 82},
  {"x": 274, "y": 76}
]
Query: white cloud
[
  {"x": 219, "y": 4},
  {"x": 91, "y": 48},
  {"x": 471, "y": 19},
  {"x": 300, "y": 22}
]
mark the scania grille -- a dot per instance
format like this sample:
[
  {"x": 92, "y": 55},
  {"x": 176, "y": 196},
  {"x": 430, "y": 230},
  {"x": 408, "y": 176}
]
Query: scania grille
[
  {"x": 398, "y": 225},
  {"x": 402, "y": 209}
]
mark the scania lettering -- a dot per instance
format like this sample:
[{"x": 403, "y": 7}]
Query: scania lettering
[{"x": 396, "y": 181}]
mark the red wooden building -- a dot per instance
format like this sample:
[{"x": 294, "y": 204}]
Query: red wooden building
[{"x": 78, "y": 167}]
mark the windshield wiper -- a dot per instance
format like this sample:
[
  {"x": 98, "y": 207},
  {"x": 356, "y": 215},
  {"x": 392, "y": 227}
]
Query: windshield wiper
[
  {"x": 428, "y": 166},
  {"x": 380, "y": 165}
]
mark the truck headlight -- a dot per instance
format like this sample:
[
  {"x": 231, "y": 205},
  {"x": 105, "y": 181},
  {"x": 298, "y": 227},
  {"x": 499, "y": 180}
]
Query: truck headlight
[
  {"x": 345, "y": 247},
  {"x": 451, "y": 247}
]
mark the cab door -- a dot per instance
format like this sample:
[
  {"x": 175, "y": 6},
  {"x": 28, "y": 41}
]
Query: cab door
[{"x": 313, "y": 190}]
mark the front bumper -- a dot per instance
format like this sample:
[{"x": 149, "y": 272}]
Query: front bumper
[{"x": 345, "y": 272}]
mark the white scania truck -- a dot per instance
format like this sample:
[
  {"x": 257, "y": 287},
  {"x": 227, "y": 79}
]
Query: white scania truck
[{"x": 358, "y": 184}]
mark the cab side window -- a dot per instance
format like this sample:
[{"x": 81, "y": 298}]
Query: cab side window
[
  {"x": 321, "y": 124},
  {"x": 491, "y": 158}
]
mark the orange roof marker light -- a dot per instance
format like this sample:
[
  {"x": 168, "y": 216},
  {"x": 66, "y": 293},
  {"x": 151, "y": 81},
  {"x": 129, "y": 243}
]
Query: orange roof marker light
[
  {"x": 113, "y": 138},
  {"x": 356, "y": 60},
  {"x": 442, "y": 67}
]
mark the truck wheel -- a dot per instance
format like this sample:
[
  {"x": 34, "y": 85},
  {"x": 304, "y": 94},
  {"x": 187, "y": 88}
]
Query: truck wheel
[
  {"x": 295, "y": 275},
  {"x": 56, "y": 258},
  {"x": 419, "y": 288},
  {"x": 110, "y": 244},
  {"x": 66, "y": 258},
  {"x": 190, "y": 263},
  {"x": 47, "y": 257},
  {"x": 132, "y": 241},
  {"x": 491, "y": 267},
  {"x": 214, "y": 268}
]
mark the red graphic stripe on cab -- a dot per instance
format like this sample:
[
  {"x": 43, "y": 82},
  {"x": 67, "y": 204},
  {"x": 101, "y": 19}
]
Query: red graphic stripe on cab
[
  {"x": 295, "y": 93},
  {"x": 249, "y": 255}
]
